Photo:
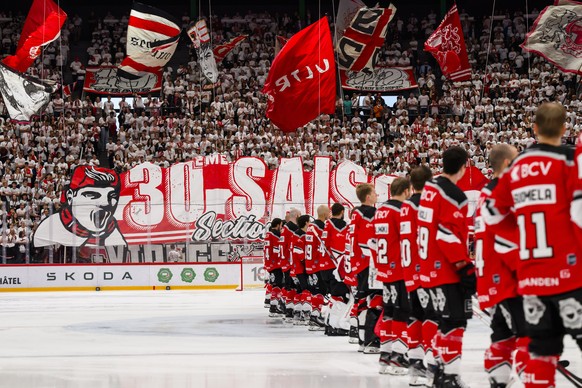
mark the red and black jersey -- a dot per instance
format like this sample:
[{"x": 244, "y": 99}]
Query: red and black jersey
[
  {"x": 286, "y": 239},
  {"x": 387, "y": 234},
  {"x": 314, "y": 249},
  {"x": 298, "y": 252},
  {"x": 496, "y": 256},
  {"x": 271, "y": 250},
  {"x": 361, "y": 231},
  {"x": 536, "y": 193},
  {"x": 408, "y": 242},
  {"x": 576, "y": 207},
  {"x": 334, "y": 238},
  {"x": 442, "y": 232}
]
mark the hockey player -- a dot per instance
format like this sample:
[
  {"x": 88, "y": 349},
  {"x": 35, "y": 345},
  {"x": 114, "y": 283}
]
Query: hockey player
[
  {"x": 496, "y": 257},
  {"x": 537, "y": 194},
  {"x": 396, "y": 307},
  {"x": 361, "y": 231},
  {"x": 273, "y": 265},
  {"x": 332, "y": 271},
  {"x": 302, "y": 310},
  {"x": 285, "y": 253},
  {"x": 422, "y": 326},
  {"x": 314, "y": 253},
  {"x": 446, "y": 269}
]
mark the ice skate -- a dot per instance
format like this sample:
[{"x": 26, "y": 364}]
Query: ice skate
[
  {"x": 417, "y": 373},
  {"x": 453, "y": 381},
  {"x": 373, "y": 347}
]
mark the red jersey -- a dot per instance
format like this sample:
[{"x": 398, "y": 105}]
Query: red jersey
[
  {"x": 285, "y": 245},
  {"x": 496, "y": 257},
  {"x": 298, "y": 252},
  {"x": 536, "y": 192},
  {"x": 314, "y": 250},
  {"x": 387, "y": 253},
  {"x": 334, "y": 238},
  {"x": 361, "y": 231},
  {"x": 271, "y": 250},
  {"x": 410, "y": 260},
  {"x": 344, "y": 265},
  {"x": 442, "y": 232}
]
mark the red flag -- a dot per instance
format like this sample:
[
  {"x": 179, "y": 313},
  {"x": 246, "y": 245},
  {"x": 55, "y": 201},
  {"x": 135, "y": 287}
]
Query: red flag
[
  {"x": 302, "y": 79},
  {"x": 222, "y": 50},
  {"x": 42, "y": 26},
  {"x": 447, "y": 45},
  {"x": 280, "y": 41},
  {"x": 473, "y": 179}
]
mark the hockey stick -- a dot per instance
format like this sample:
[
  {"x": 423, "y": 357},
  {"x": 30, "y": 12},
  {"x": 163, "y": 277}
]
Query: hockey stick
[
  {"x": 571, "y": 377},
  {"x": 484, "y": 316}
]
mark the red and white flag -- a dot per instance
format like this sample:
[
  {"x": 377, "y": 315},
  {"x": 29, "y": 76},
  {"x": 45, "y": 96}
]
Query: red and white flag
[
  {"x": 301, "y": 83},
  {"x": 198, "y": 33},
  {"x": 358, "y": 49},
  {"x": 42, "y": 26},
  {"x": 447, "y": 45},
  {"x": 557, "y": 36},
  {"x": 222, "y": 50},
  {"x": 152, "y": 38}
]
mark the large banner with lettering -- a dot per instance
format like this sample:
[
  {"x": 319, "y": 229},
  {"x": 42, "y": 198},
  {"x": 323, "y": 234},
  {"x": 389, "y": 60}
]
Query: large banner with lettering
[
  {"x": 104, "y": 80},
  {"x": 382, "y": 79},
  {"x": 151, "y": 213}
]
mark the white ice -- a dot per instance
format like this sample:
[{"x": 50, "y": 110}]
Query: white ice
[{"x": 174, "y": 339}]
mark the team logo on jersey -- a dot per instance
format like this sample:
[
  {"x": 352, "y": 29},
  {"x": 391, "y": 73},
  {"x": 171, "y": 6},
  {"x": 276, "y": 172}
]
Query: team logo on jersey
[
  {"x": 164, "y": 275},
  {"x": 188, "y": 275},
  {"x": 309, "y": 238},
  {"x": 571, "y": 313},
  {"x": 534, "y": 309}
]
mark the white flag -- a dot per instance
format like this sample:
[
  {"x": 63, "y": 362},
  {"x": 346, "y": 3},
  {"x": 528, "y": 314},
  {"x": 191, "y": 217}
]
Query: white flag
[
  {"x": 557, "y": 36},
  {"x": 345, "y": 13},
  {"x": 23, "y": 96}
]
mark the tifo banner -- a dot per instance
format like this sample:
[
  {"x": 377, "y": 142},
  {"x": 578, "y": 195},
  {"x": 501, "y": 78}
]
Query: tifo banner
[
  {"x": 382, "y": 79},
  {"x": 104, "y": 80},
  {"x": 150, "y": 213}
]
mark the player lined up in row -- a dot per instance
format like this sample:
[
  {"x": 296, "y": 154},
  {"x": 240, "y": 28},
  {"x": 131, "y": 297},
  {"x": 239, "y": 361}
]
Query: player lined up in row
[{"x": 400, "y": 281}]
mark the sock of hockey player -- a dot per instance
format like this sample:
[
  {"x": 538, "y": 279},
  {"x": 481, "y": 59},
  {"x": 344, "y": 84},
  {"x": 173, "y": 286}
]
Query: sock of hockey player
[
  {"x": 429, "y": 332},
  {"x": 268, "y": 291},
  {"x": 306, "y": 306},
  {"x": 290, "y": 304},
  {"x": 417, "y": 370},
  {"x": 371, "y": 340},
  {"x": 354, "y": 327},
  {"x": 384, "y": 332},
  {"x": 398, "y": 362},
  {"x": 521, "y": 356},
  {"x": 540, "y": 371},
  {"x": 450, "y": 347},
  {"x": 498, "y": 361},
  {"x": 275, "y": 296}
]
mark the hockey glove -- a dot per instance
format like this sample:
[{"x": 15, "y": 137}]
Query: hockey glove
[{"x": 468, "y": 278}]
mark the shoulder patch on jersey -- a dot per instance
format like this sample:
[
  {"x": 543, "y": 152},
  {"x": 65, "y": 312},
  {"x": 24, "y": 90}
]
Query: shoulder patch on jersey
[
  {"x": 309, "y": 238},
  {"x": 450, "y": 191},
  {"x": 367, "y": 212}
]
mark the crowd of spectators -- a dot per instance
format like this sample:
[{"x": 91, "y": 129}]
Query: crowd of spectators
[{"x": 191, "y": 118}]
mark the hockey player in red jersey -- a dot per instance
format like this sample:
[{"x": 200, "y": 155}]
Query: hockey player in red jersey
[
  {"x": 289, "y": 292},
  {"x": 332, "y": 271},
  {"x": 273, "y": 265},
  {"x": 387, "y": 261},
  {"x": 446, "y": 269},
  {"x": 536, "y": 193},
  {"x": 496, "y": 258},
  {"x": 369, "y": 301},
  {"x": 423, "y": 323},
  {"x": 315, "y": 253},
  {"x": 301, "y": 310}
]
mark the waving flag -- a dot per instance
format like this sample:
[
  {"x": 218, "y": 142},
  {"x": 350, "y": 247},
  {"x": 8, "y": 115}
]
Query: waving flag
[
  {"x": 302, "y": 79},
  {"x": 345, "y": 13},
  {"x": 447, "y": 45},
  {"x": 557, "y": 36},
  {"x": 23, "y": 96},
  {"x": 198, "y": 33},
  {"x": 152, "y": 38},
  {"x": 222, "y": 50},
  {"x": 359, "y": 47},
  {"x": 280, "y": 41},
  {"x": 42, "y": 26}
]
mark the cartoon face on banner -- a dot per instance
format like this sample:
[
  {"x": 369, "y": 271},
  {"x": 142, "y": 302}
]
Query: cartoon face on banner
[
  {"x": 86, "y": 215},
  {"x": 207, "y": 62}
]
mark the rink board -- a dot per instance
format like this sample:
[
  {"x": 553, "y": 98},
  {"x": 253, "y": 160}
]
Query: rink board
[{"x": 150, "y": 276}]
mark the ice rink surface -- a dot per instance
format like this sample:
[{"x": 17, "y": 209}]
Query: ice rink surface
[{"x": 173, "y": 339}]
